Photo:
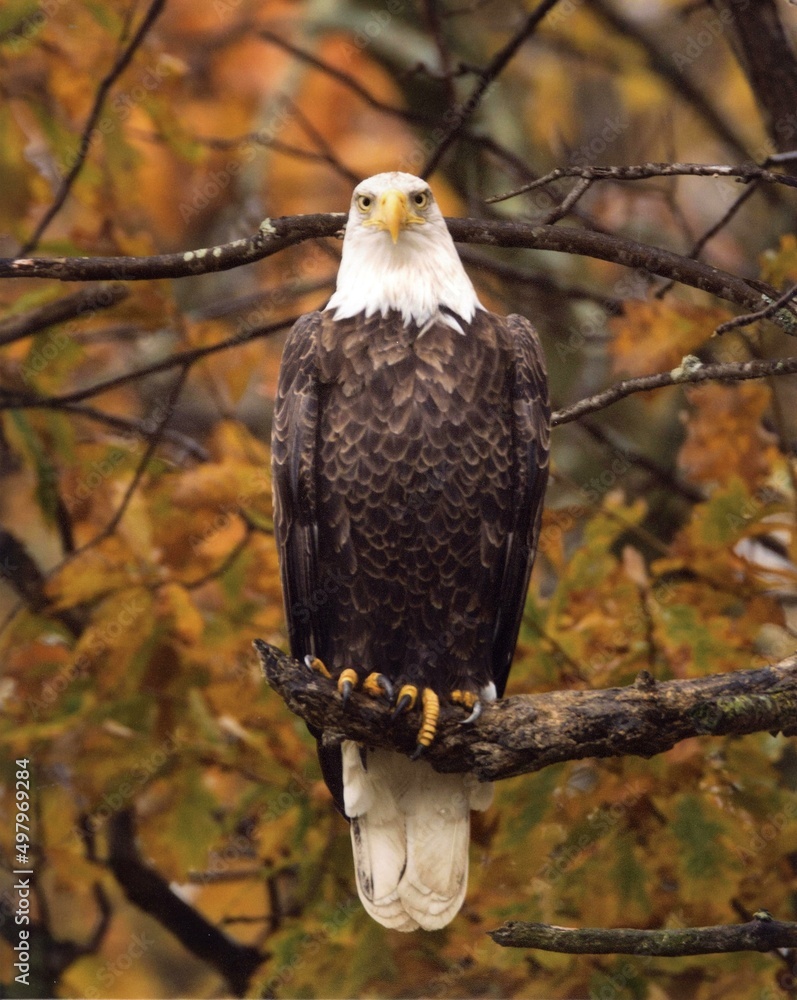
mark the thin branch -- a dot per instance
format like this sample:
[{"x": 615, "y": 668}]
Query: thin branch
[
  {"x": 87, "y": 300},
  {"x": 666, "y": 477},
  {"x": 766, "y": 313},
  {"x": 341, "y": 76},
  {"x": 525, "y": 733},
  {"x": 567, "y": 203},
  {"x": 757, "y": 935},
  {"x": 152, "y": 444},
  {"x": 139, "y": 427},
  {"x": 684, "y": 375},
  {"x": 543, "y": 282},
  {"x": 106, "y": 83},
  {"x": 644, "y": 171},
  {"x": 20, "y": 400},
  {"x": 712, "y": 231},
  {"x": 325, "y": 152},
  {"x": 462, "y": 113}
]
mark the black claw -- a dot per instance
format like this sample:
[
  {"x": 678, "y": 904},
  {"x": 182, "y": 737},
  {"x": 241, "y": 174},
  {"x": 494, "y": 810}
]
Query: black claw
[
  {"x": 478, "y": 708},
  {"x": 386, "y": 686},
  {"x": 308, "y": 661},
  {"x": 346, "y": 689},
  {"x": 418, "y": 751},
  {"x": 401, "y": 705}
]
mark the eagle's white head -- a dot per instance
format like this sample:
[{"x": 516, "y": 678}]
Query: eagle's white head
[{"x": 398, "y": 254}]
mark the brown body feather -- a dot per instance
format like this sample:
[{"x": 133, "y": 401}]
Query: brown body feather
[{"x": 409, "y": 473}]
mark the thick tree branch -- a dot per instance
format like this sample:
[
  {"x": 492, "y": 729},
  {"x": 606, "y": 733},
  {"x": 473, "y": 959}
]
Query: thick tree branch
[
  {"x": 756, "y": 935},
  {"x": 150, "y": 891},
  {"x": 525, "y": 733},
  {"x": 277, "y": 234},
  {"x": 769, "y": 62}
]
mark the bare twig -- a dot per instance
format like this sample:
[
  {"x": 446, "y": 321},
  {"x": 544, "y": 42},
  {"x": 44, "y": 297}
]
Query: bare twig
[
  {"x": 662, "y": 63},
  {"x": 757, "y": 935},
  {"x": 106, "y": 83},
  {"x": 87, "y": 300},
  {"x": 139, "y": 427},
  {"x": 341, "y": 76},
  {"x": 766, "y": 313},
  {"x": 525, "y": 733},
  {"x": 461, "y": 114},
  {"x": 149, "y": 451},
  {"x": 21, "y": 400},
  {"x": 730, "y": 371},
  {"x": 568, "y": 202},
  {"x": 644, "y": 171},
  {"x": 712, "y": 231}
]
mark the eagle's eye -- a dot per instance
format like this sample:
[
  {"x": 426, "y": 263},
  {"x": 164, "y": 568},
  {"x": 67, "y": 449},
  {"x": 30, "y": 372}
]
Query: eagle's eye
[
  {"x": 421, "y": 199},
  {"x": 364, "y": 202}
]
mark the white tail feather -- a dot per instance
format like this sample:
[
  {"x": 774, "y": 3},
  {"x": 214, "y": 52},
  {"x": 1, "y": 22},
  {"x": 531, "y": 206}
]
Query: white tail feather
[{"x": 410, "y": 830}]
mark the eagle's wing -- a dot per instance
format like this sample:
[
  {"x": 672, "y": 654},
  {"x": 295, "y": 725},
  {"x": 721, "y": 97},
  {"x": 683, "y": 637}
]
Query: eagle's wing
[
  {"x": 293, "y": 456},
  {"x": 531, "y": 442}
]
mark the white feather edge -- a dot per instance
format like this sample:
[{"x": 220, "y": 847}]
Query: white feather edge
[{"x": 410, "y": 832}]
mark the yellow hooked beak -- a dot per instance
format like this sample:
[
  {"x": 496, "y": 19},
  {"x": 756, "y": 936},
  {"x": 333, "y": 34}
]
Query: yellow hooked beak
[{"x": 393, "y": 213}]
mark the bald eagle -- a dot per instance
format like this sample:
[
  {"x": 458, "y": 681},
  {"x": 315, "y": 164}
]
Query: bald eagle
[{"x": 410, "y": 456}]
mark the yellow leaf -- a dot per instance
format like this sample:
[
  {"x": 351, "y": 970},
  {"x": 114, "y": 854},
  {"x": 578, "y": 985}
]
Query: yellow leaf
[{"x": 654, "y": 336}]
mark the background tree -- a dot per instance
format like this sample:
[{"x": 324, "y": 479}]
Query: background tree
[{"x": 183, "y": 841}]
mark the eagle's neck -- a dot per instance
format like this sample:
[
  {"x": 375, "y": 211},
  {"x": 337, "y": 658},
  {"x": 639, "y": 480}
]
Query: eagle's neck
[{"x": 421, "y": 278}]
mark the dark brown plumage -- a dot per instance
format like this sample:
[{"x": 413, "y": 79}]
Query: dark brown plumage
[{"x": 409, "y": 472}]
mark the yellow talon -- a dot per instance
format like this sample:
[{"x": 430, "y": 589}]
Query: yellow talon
[
  {"x": 466, "y": 698},
  {"x": 431, "y": 713},
  {"x": 318, "y": 665},
  {"x": 377, "y": 685},
  {"x": 347, "y": 682},
  {"x": 406, "y": 699}
]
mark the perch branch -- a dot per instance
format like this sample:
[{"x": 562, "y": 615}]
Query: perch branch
[
  {"x": 525, "y": 733},
  {"x": 756, "y": 935}
]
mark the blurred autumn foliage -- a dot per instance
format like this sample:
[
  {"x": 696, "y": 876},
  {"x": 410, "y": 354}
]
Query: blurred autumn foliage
[{"x": 184, "y": 843}]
